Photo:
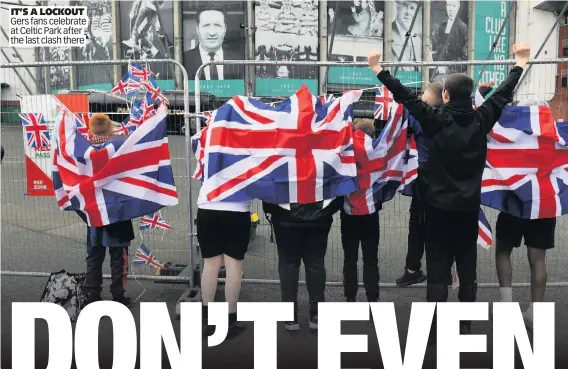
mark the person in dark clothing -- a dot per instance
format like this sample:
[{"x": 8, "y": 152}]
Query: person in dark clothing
[
  {"x": 2, "y": 147},
  {"x": 416, "y": 230},
  {"x": 416, "y": 225},
  {"x": 360, "y": 224},
  {"x": 116, "y": 236},
  {"x": 457, "y": 156},
  {"x": 301, "y": 232}
]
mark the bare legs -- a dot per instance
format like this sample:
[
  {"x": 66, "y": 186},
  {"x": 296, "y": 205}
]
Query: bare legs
[{"x": 210, "y": 278}]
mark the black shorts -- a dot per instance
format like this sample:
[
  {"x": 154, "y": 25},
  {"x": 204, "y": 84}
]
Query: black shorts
[
  {"x": 538, "y": 233},
  {"x": 223, "y": 232}
]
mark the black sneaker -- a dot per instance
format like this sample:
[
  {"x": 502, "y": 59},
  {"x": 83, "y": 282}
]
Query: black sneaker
[
  {"x": 235, "y": 329},
  {"x": 314, "y": 321},
  {"x": 92, "y": 297},
  {"x": 208, "y": 330},
  {"x": 123, "y": 300},
  {"x": 350, "y": 300},
  {"x": 410, "y": 278}
]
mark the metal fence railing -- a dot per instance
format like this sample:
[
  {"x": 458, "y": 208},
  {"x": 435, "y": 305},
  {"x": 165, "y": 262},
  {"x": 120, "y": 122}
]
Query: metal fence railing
[
  {"x": 265, "y": 81},
  {"x": 37, "y": 237}
]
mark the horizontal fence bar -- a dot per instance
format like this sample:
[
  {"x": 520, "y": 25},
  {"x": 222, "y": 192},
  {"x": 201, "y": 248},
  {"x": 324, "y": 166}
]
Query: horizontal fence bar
[
  {"x": 105, "y": 276},
  {"x": 274, "y": 281},
  {"x": 88, "y": 62},
  {"x": 385, "y": 64}
]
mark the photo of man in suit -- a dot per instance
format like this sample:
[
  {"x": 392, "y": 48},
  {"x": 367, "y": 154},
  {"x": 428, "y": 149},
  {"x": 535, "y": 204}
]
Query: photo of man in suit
[
  {"x": 449, "y": 38},
  {"x": 211, "y": 31},
  {"x": 404, "y": 12}
]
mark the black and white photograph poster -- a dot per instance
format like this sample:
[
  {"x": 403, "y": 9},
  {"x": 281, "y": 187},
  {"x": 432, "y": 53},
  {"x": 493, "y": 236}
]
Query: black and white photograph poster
[
  {"x": 448, "y": 38},
  {"x": 212, "y": 32},
  {"x": 354, "y": 28},
  {"x": 286, "y": 30},
  {"x": 147, "y": 32},
  {"x": 98, "y": 46},
  {"x": 59, "y": 75},
  {"x": 404, "y": 12}
]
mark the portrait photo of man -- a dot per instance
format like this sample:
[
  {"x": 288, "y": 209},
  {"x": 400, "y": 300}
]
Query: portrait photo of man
[
  {"x": 449, "y": 34},
  {"x": 404, "y": 12},
  {"x": 211, "y": 30}
]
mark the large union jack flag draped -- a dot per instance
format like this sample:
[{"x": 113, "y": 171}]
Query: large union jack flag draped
[
  {"x": 526, "y": 173},
  {"x": 37, "y": 132},
  {"x": 300, "y": 151},
  {"x": 123, "y": 180},
  {"x": 385, "y": 165}
]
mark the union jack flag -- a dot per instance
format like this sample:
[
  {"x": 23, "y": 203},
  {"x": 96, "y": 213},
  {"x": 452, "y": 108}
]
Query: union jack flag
[
  {"x": 124, "y": 128},
  {"x": 326, "y": 98},
  {"x": 384, "y": 102},
  {"x": 144, "y": 256},
  {"x": 298, "y": 152},
  {"x": 138, "y": 71},
  {"x": 385, "y": 165},
  {"x": 485, "y": 234},
  {"x": 526, "y": 173},
  {"x": 127, "y": 85},
  {"x": 154, "y": 91},
  {"x": 123, "y": 180},
  {"x": 153, "y": 222},
  {"x": 82, "y": 120},
  {"x": 37, "y": 132}
]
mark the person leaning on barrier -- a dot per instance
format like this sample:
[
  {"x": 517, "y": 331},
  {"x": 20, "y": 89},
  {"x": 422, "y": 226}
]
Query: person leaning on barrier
[
  {"x": 360, "y": 224},
  {"x": 456, "y": 162},
  {"x": 301, "y": 232},
  {"x": 539, "y": 237}
]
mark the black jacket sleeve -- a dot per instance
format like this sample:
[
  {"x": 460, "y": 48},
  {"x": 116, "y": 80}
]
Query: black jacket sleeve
[
  {"x": 490, "y": 111},
  {"x": 428, "y": 116}
]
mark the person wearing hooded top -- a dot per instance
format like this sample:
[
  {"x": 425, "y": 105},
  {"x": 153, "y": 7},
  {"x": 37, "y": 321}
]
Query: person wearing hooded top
[{"x": 457, "y": 156}]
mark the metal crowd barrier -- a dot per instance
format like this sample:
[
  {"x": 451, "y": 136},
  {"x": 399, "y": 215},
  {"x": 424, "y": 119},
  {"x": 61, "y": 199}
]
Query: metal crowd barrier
[
  {"x": 543, "y": 82},
  {"x": 37, "y": 237}
]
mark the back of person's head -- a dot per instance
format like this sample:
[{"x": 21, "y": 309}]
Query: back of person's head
[
  {"x": 458, "y": 87},
  {"x": 433, "y": 94},
  {"x": 100, "y": 125},
  {"x": 365, "y": 125}
]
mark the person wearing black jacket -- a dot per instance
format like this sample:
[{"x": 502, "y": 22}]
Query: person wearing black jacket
[
  {"x": 416, "y": 225},
  {"x": 457, "y": 156},
  {"x": 301, "y": 232}
]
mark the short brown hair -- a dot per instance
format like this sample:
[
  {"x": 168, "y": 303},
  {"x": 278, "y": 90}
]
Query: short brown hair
[
  {"x": 100, "y": 124},
  {"x": 436, "y": 88},
  {"x": 365, "y": 125}
]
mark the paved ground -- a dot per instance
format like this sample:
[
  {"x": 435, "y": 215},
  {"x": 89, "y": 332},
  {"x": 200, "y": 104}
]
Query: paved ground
[
  {"x": 295, "y": 350},
  {"x": 38, "y": 237}
]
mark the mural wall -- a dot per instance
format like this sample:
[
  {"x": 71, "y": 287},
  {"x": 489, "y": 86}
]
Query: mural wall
[
  {"x": 286, "y": 30},
  {"x": 212, "y": 32}
]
